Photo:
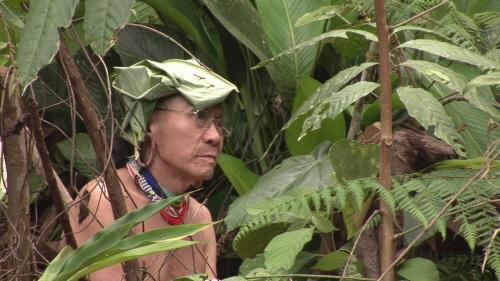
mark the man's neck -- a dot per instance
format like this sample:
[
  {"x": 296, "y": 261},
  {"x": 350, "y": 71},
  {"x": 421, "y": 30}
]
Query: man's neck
[{"x": 172, "y": 182}]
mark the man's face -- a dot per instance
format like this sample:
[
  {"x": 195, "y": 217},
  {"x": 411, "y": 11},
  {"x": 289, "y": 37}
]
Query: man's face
[{"x": 183, "y": 145}]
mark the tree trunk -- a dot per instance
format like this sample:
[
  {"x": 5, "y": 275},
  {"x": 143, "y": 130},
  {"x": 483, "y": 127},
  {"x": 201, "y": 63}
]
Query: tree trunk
[{"x": 15, "y": 146}]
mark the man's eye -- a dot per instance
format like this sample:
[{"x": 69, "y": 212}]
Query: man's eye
[{"x": 203, "y": 115}]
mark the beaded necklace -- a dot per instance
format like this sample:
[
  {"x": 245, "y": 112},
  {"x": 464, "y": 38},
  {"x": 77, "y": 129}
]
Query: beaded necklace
[{"x": 174, "y": 213}]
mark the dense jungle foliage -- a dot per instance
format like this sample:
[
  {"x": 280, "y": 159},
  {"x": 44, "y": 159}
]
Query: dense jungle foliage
[{"x": 297, "y": 185}]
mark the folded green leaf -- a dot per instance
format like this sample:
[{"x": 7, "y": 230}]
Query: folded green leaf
[
  {"x": 431, "y": 114},
  {"x": 449, "y": 51}
]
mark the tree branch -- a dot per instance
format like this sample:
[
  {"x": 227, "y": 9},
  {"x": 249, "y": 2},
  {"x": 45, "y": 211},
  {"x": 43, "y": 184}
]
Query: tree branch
[
  {"x": 96, "y": 133},
  {"x": 421, "y": 14},
  {"x": 36, "y": 129}
]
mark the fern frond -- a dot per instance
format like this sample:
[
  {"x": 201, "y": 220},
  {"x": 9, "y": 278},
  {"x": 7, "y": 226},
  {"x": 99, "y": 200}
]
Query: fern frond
[{"x": 493, "y": 253}]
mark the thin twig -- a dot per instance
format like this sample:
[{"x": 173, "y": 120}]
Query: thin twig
[
  {"x": 344, "y": 272},
  {"x": 421, "y": 14}
]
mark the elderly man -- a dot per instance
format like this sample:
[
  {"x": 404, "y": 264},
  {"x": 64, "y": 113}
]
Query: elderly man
[{"x": 174, "y": 120}]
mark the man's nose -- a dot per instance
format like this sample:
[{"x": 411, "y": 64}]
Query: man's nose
[{"x": 213, "y": 135}]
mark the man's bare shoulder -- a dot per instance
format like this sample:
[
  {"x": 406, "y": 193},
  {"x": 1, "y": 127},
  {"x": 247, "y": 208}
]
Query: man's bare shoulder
[{"x": 199, "y": 213}]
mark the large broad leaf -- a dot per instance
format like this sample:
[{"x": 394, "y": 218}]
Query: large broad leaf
[
  {"x": 313, "y": 170},
  {"x": 419, "y": 269},
  {"x": 241, "y": 19},
  {"x": 82, "y": 153},
  {"x": 281, "y": 252},
  {"x": 326, "y": 90},
  {"x": 449, "y": 51},
  {"x": 152, "y": 46},
  {"x": 439, "y": 73},
  {"x": 328, "y": 36},
  {"x": 238, "y": 174},
  {"x": 278, "y": 22},
  {"x": 103, "y": 18},
  {"x": 472, "y": 123},
  {"x": 331, "y": 129},
  {"x": 481, "y": 98},
  {"x": 335, "y": 103},
  {"x": 431, "y": 114},
  {"x": 40, "y": 38},
  {"x": 184, "y": 15},
  {"x": 332, "y": 261},
  {"x": 352, "y": 160}
]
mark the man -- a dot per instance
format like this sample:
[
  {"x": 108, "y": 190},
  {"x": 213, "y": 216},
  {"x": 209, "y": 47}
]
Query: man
[{"x": 174, "y": 120}]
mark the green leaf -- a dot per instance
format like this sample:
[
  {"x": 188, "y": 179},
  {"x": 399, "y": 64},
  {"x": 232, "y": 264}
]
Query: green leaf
[
  {"x": 489, "y": 79},
  {"x": 439, "y": 74},
  {"x": 328, "y": 36},
  {"x": 85, "y": 159},
  {"x": 417, "y": 28},
  {"x": 324, "y": 91},
  {"x": 313, "y": 170},
  {"x": 352, "y": 160},
  {"x": 483, "y": 100},
  {"x": 278, "y": 22},
  {"x": 332, "y": 261},
  {"x": 153, "y": 46},
  {"x": 473, "y": 123},
  {"x": 157, "y": 247},
  {"x": 193, "y": 277},
  {"x": 103, "y": 18},
  {"x": 184, "y": 14},
  {"x": 334, "y": 104},
  {"x": 419, "y": 269},
  {"x": 10, "y": 16},
  {"x": 322, "y": 13},
  {"x": 238, "y": 174},
  {"x": 56, "y": 264},
  {"x": 150, "y": 237},
  {"x": 322, "y": 223},
  {"x": 40, "y": 38},
  {"x": 449, "y": 51},
  {"x": 431, "y": 114},
  {"x": 331, "y": 129},
  {"x": 241, "y": 19},
  {"x": 110, "y": 235},
  {"x": 281, "y": 252}
]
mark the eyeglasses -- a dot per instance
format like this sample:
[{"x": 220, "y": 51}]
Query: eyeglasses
[{"x": 204, "y": 119}]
